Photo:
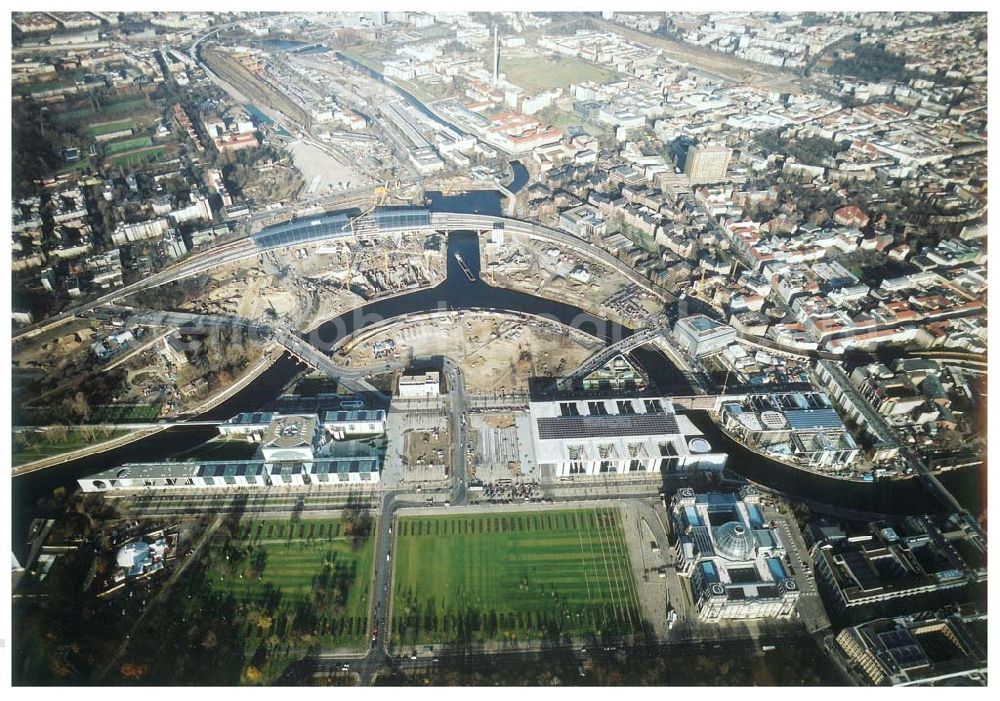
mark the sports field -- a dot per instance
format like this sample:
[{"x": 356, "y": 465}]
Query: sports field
[
  {"x": 109, "y": 127},
  {"x": 308, "y": 570},
  {"x": 128, "y": 145},
  {"x": 512, "y": 576},
  {"x": 142, "y": 156}
]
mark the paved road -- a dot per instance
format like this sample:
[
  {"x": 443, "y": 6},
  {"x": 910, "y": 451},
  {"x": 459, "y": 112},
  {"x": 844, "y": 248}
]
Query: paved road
[
  {"x": 459, "y": 429},
  {"x": 719, "y": 645}
]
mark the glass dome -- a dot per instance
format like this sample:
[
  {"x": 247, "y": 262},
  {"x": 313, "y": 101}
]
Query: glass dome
[{"x": 734, "y": 541}]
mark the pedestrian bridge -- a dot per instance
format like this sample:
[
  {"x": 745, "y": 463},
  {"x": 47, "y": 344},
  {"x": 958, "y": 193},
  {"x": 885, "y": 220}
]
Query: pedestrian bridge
[
  {"x": 604, "y": 355},
  {"x": 352, "y": 379}
]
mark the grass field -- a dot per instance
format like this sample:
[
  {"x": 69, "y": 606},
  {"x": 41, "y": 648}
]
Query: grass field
[
  {"x": 308, "y": 572},
  {"x": 124, "y": 145},
  {"x": 109, "y": 127},
  {"x": 79, "y": 165},
  {"x": 99, "y": 414},
  {"x": 534, "y": 72},
  {"x": 514, "y": 576},
  {"x": 142, "y": 156},
  {"x": 38, "y": 446},
  {"x": 90, "y": 115}
]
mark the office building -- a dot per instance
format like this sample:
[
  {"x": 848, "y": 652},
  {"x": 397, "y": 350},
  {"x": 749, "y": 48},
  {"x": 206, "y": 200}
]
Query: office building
[
  {"x": 424, "y": 385},
  {"x": 290, "y": 438},
  {"x": 946, "y": 648},
  {"x": 327, "y": 449},
  {"x": 888, "y": 566},
  {"x": 799, "y": 426},
  {"x": 584, "y": 221},
  {"x": 616, "y": 374},
  {"x": 707, "y": 164},
  {"x": 626, "y": 435},
  {"x": 701, "y": 336}
]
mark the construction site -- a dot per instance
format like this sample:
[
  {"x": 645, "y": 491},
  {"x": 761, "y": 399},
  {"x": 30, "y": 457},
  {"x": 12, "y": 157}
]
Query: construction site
[
  {"x": 427, "y": 452},
  {"x": 307, "y": 286},
  {"x": 497, "y": 351},
  {"x": 545, "y": 270},
  {"x": 502, "y": 450}
]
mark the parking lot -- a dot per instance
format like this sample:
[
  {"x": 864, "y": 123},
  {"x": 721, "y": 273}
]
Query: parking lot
[{"x": 810, "y": 607}]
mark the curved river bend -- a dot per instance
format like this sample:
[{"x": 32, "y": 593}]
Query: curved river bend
[{"x": 457, "y": 293}]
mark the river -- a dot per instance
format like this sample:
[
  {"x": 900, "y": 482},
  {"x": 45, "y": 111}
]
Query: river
[
  {"x": 457, "y": 293},
  {"x": 29, "y": 488}
]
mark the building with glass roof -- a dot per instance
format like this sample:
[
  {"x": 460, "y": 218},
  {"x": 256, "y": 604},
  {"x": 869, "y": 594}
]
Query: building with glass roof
[
  {"x": 627, "y": 435},
  {"x": 331, "y": 226},
  {"x": 731, "y": 558},
  {"x": 339, "y": 448},
  {"x": 885, "y": 567},
  {"x": 800, "y": 426}
]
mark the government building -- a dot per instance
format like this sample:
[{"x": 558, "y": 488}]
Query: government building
[
  {"x": 622, "y": 436},
  {"x": 330, "y": 449},
  {"x": 730, "y": 557}
]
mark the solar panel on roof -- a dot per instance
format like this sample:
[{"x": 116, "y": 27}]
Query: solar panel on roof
[
  {"x": 559, "y": 427},
  {"x": 804, "y": 419}
]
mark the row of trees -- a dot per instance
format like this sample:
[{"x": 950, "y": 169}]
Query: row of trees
[
  {"x": 812, "y": 150},
  {"x": 872, "y": 62}
]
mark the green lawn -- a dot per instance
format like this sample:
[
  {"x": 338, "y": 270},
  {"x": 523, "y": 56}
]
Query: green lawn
[
  {"x": 109, "y": 127},
  {"x": 142, "y": 156},
  {"x": 99, "y": 414},
  {"x": 306, "y": 573},
  {"x": 544, "y": 574},
  {"x": 110, "y": 109},
  {"x": 534, "y": 72},
  {"x": 36, "y": 446},
  {"x": 80, "y": 165},
  {"x": 123, "y": 145}
]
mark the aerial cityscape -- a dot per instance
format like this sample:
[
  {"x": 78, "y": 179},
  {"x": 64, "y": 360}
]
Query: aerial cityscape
[{"x": 417, "y": 348}]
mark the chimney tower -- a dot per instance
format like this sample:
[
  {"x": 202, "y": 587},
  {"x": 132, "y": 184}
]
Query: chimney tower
[{"x": 496, "y": 55}]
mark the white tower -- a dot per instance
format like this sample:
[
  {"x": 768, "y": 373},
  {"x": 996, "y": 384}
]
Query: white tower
[{"x": 496, "y": 55}]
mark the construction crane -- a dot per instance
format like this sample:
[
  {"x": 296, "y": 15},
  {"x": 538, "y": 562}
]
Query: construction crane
[{"x": 380, "y": 196}]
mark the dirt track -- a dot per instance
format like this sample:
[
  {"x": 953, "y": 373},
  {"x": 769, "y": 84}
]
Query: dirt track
[{"x": 712, "y": 62}]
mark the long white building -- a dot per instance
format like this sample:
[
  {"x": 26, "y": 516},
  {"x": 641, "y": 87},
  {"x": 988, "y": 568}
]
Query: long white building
[
  {"x": 233, "y": 473},
  {"x": 623, "y": 436},
  {"x": 295, "y": 450}
]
